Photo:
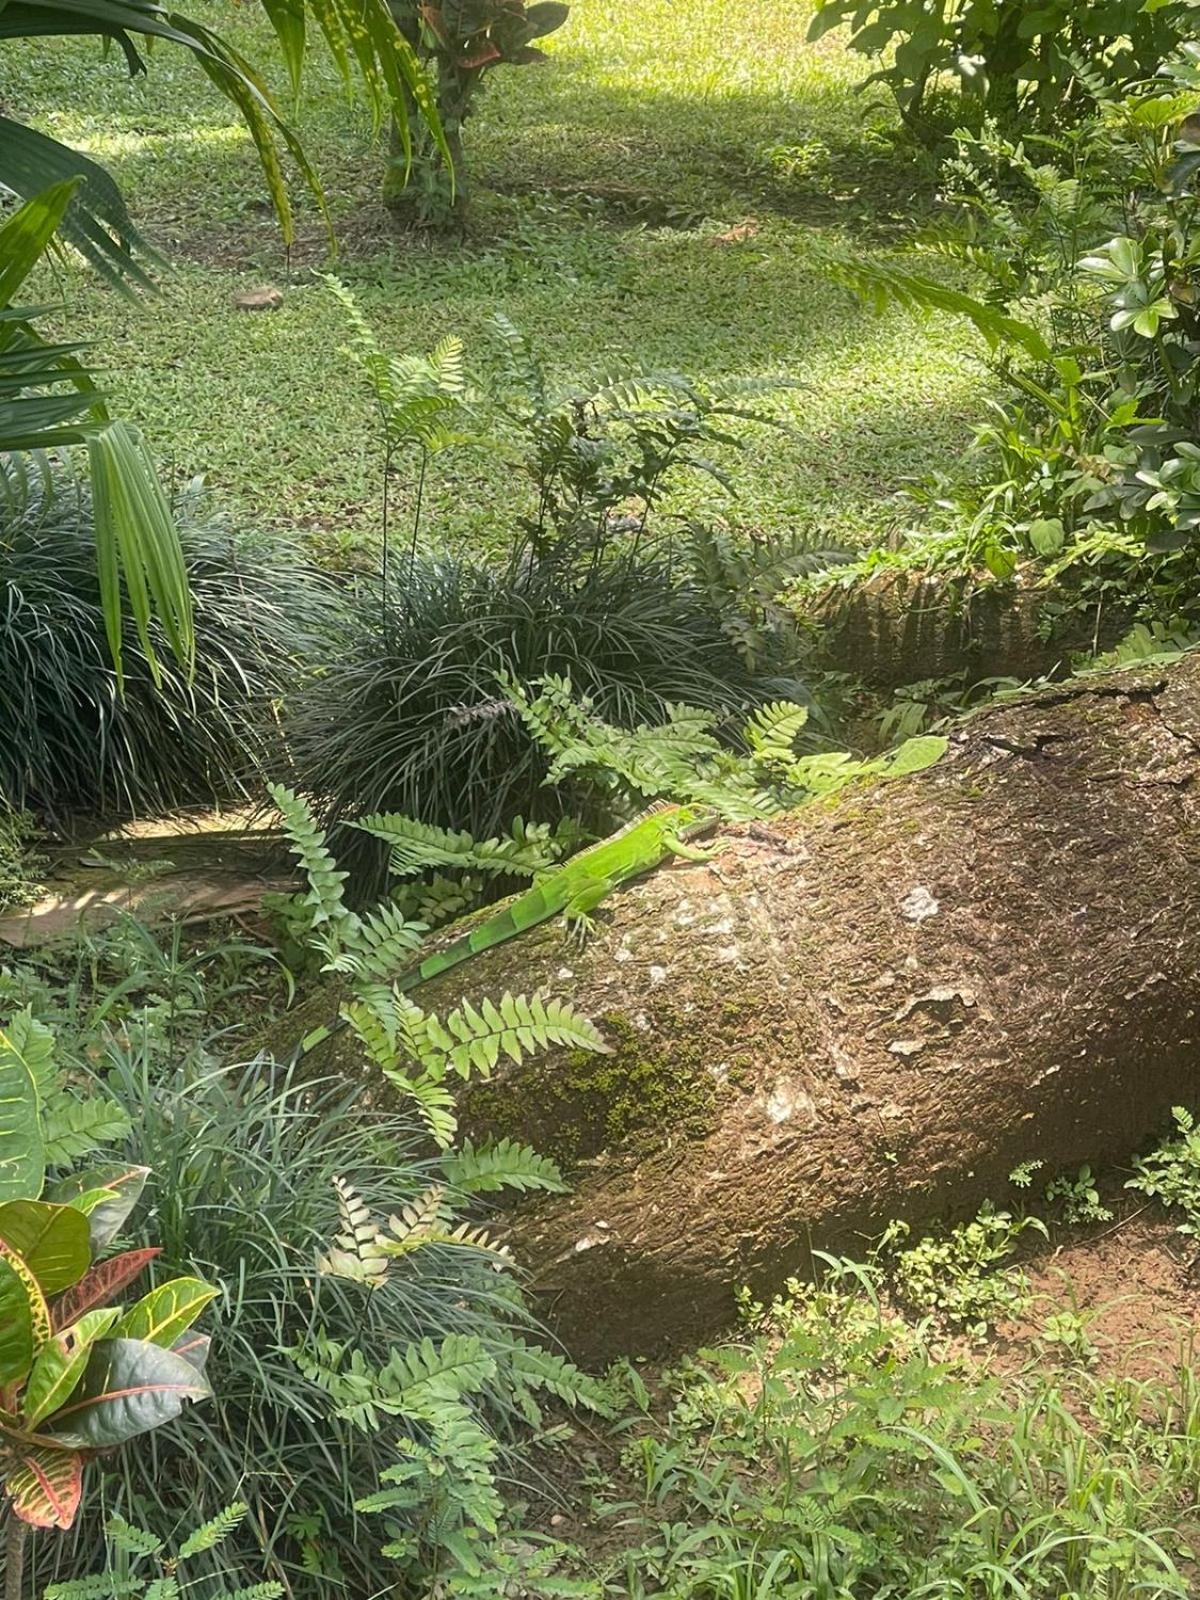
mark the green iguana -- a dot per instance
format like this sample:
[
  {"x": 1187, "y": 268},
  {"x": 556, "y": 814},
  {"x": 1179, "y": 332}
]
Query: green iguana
[{"x": 574, "y": 891}]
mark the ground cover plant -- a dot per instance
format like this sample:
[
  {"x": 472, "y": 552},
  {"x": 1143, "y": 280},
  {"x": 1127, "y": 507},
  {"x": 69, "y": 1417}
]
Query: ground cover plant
[{"x": 563, "y": 465}]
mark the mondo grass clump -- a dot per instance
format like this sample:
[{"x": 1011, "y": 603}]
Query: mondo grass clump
[
  {"x": 412, "y": 718},
  {"x": 74, "y": 742}
]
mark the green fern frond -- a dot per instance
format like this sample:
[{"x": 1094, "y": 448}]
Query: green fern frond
[
  {"x": 164, "y": 1588},
  {"x": 458, "y": 1366},
  {"x": 129, "y": 1540},
  {"x": 504, "y": 1165},
  {"x": 515, "y": 1027},
  {"x": 538, "y": 1368},
  {"x": 884, "y": 285},
  {"x": 72, "y": 1128},
  {"x": 214, "y": 1532},
  {"x": 439, "y": 899},
  {"x": 267, "y": 1590},
  {"x": 435, "y": 1104},
  {"x": 772, "y": 732},
  {"x": 307, "y": 844},
  {"x": 96, "y": 1586},
  {"x": 384, "y": 943}
]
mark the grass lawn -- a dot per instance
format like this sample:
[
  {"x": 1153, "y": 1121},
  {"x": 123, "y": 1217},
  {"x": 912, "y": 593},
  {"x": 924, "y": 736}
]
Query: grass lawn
[{"x": 647, "y": 197}]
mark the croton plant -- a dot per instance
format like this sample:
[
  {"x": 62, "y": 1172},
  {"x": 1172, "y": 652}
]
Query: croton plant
[{"x": 79, "y": 1372}]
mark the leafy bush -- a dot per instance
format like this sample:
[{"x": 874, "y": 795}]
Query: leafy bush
[
  {"x": 19, "y": 859},
  {"x": 1083, "y": 256},
  {"x": 1171, "y": 1172},
  {"x": 1011, "y": 55},
  {"x": 248, "y": 1166},
  {"x": 72, "y": 740},
  {"x": 459, "y": 42}
]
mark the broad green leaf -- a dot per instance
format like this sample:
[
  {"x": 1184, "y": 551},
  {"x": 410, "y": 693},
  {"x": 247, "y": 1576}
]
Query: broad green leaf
[
  {"x": 1047, "y": 535},
  {"x": 52, "y": 1240},
  {"x": 166, "y": 1313},
  {"x": 61, "y": 1364},
  {"x": 105, "y": 1194},
  {"x": 914, "y": 755},
  {"x": 129, "y": 1388},
  {"x": 16, "y": 1326},
  {"x": 45, "y": 1485},
  {"x": 22, "y": 1152}
]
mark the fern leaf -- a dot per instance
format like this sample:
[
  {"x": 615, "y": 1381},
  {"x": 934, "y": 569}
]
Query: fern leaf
[
  {"x": 307, "y": 843},
  {"x": 385, "y": 941},
  {"x": 772, "y": 732},
  {"x": 516, "y": 1028},
  {"x": 356, "y": 1252},
  {"x": 538, "y": 1368},
  {"x": 96, "y": 1586},
  {"x": 884, "y": 284},
  {"x": 267, "y": 1590},
  {"x": 164, "y": 1588},
  {"x": 214, "y": 1532},
  {"x": 457, "y": 1366},
  {"x": 504, "y": 1165},
  {"x": 129, "y": 1540},
  {"x": 416, "y": 1222},
  {"x": 435, "y": 1104},
  {"x": 71, "y": 1128}
]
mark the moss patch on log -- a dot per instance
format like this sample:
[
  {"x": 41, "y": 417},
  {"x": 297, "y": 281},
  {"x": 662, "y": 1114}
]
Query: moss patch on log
[{"x": 649, "y": 1091}]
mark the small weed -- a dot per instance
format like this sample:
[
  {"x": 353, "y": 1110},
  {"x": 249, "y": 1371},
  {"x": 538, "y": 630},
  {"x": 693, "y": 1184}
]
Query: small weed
[
  {"x": 964, "y": 1276},
  {"x": 1171, "y": 1173},
  {"x": 1078, "y": 1198}
]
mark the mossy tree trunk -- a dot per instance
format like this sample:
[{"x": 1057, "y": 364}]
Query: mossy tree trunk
[{"x": 870, "y": 1009}]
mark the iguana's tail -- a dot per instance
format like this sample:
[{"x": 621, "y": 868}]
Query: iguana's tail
[{"x": 441, "y": 961}]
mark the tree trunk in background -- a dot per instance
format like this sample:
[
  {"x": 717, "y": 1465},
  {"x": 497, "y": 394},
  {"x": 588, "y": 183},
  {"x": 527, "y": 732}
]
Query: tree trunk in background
[{"x": 867, "y": 1010}]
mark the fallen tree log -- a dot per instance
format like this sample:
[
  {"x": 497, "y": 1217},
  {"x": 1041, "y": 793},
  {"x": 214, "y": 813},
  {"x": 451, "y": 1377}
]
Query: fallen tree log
[{"x": 870, "y": 1009}]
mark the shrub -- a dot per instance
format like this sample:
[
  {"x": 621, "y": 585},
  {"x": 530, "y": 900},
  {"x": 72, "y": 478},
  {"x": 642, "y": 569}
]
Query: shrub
[
  {"x": 243, "y": 1192},
  {"x": 72, "y": 740},
  {"x": 1013, "y": 56}
]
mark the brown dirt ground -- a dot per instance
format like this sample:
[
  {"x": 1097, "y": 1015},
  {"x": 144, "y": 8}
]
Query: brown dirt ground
[{"x": 1136, "y": 1284}]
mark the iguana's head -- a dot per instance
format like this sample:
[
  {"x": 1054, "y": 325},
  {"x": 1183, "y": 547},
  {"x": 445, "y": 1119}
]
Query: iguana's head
[{"x": 694, "y": 821}]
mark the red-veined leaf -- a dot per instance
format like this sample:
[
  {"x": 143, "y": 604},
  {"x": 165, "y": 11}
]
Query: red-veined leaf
[
  {"x": 194, "y": 1348},
  {"x": 45, "y": 1485},
  {"x": 101, "y": 1283}
]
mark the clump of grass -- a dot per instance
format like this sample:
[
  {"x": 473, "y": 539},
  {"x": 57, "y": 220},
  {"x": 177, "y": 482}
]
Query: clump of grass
[
  {"x": 242, "y": 1193},
  {"x": 837, "y": 1454},
  {"x": 410, "y": 717},
  {"x": 73, "y": 740}
]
